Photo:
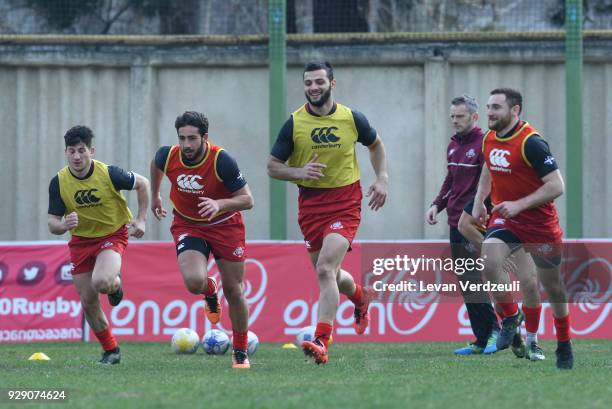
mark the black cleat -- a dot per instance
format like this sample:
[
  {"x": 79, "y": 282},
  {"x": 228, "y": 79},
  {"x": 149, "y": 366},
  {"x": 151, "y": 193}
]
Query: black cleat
[
  {"x": 510, "y": 326},
  {"x": 240, "y": 359},
  {"x": 115, "y": 298},
  {"x": 565, "y": 357},
  {"x": 111, "y": 357},
  {"x": 535, "y": 352}
]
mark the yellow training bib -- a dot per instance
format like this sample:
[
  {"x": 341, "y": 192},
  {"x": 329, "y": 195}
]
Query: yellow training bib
[
  {"x": 102, "y": 210},
  {"x": 332, "y": 138}
]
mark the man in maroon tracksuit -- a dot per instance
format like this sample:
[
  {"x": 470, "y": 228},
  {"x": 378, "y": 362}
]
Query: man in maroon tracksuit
[{"x": 465, "y": 161}]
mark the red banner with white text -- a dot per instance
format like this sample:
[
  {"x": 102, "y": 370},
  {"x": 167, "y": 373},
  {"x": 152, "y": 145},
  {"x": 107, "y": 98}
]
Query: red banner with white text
[
  {"x": 37, "y": 299},
  {"x": 281, "y": 290}
]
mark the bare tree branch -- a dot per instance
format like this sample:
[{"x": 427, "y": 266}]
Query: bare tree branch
[{"x": 112, "y": 20}]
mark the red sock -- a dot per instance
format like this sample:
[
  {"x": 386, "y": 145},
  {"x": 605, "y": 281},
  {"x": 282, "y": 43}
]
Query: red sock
[
  {"x": 241, "y": 340},
  {"x": 499, "y": 313},
  {"x": 323, "y": 332},
  {"x": 106, "y": 339},
  {"x": 562, "y": 325},
  {"x": 508, "y": 308},
  {"x": 532, "y": 318},
  {"x": 211, "y": 288},
  {"x": 357, "y": 297}
]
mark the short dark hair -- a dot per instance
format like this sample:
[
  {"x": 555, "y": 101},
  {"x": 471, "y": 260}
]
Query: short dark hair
[
  {"x": 192, "y": 118},
  {"x": 513, "y": 97},
  {"x": 319, "y": 65},
  {"x": 78, "y": 134}
]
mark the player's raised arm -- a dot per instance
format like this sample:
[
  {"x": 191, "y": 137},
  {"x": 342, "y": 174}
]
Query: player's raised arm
[
  {"x": 240, "y": 194},
  {"x": 157, "y": 175},
  {"x": 241, "y": 199},
  {"x": 60, "y": 225},
  {"x": 378, "y": 190},
  {"x": 552, "y": 188},
  {"x": 282, "y": 150},
  {"x": 312, "y": 170},
  {"x": 143, "y": 189},
  {"x": 58, "y": 221},
  {"x": 484, "y": 189}
]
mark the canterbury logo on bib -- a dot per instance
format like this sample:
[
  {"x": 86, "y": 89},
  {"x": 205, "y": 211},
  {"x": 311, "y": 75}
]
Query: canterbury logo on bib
[
  {"x": 324, "y": 135},
  {"x": 189, "y": 182},
  {"x": 86, "y": 197},
  {"x": 498, "y": 158}
]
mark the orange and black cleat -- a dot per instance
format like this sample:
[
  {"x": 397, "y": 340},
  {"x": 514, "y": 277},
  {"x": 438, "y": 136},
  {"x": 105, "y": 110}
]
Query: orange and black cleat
[
  {"x": 213, "y": 306},
  {"x": 240, "y": 359},
  {"x": 316, "y": 350},
  {"x": 362, "y": 319}
]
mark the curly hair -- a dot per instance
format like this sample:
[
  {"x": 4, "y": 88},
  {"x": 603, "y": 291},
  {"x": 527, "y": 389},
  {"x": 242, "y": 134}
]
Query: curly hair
[{"x": 192, "y": 118}]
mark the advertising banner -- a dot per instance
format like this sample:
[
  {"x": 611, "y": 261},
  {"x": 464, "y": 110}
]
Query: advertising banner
[{"x": 38, "y": 301}]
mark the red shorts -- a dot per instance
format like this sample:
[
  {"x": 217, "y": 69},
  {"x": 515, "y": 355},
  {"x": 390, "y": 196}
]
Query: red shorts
[
  {"x": 84, "y": 250},
  {"x": 543, "y": 240},
  {"x": 325, "y": 211},
  {"x": 226, "y": 238}
]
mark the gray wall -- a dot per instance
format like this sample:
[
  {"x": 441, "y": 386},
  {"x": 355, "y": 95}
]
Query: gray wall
[{"x": 130, "y": 96}]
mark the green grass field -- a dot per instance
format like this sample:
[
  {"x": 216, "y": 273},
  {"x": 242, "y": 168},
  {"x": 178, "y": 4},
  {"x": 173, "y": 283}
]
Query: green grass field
[{"x": 415, "y": 375}]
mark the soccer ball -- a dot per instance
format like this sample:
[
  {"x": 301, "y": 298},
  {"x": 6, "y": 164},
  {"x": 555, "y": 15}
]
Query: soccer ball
[
  {"x": 185, "y": 341},
  {"x": 307, "y": 334},
  {"x": 253, "y": 343},
  {"x": 215, "y": 342}
]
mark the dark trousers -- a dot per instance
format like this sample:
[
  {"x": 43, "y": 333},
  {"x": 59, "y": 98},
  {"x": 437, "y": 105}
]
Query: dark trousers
[{"x": 480, "y": 311}]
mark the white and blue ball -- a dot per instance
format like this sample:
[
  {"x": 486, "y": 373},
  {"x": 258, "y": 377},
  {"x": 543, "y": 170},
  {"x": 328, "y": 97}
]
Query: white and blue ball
[
  {"x": 185, "y": 341},
  {"x": 308, "y": 334},
  {"x": 215, "y": 342},
  {"x": 305, "y": 334},
  {"x": 253, "y": 343}
]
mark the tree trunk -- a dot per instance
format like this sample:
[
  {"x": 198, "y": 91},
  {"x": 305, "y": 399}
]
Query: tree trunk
[
  {"x": 304, "y": 16},
  {"x": 373, "y": 16},
  {"x": 204, "y": 15}
]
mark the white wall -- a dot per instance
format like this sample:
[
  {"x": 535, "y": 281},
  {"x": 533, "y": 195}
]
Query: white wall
[{"x": 132, "y": 111}]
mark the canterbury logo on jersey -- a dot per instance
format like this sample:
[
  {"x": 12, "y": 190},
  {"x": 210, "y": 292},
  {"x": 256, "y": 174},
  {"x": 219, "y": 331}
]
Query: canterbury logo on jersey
[
  {"x": 498, "y": 160},
  {"x": 189, "y": 182},
  {"x": 325, "y": 135},
  {"x": 86, "y": 198}
]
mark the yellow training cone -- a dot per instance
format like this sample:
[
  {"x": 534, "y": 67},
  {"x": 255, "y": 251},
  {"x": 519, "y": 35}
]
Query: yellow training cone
[
  {"x": 39, "y": 356},
  {"x": 289, "y": 346}
]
